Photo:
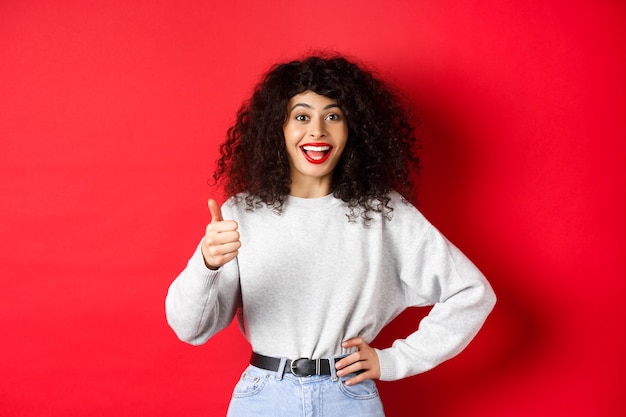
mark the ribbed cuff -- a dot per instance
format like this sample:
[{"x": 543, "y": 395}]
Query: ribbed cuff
[
  {"x": 388, "y": 370},
  {"x": 199, "y": 270}
]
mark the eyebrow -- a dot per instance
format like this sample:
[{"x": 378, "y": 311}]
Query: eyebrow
[{"x": 308, "y": 106}]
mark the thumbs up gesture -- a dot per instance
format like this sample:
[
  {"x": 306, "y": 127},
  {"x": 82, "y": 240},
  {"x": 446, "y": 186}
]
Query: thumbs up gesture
[{"x": 221, "y": 240}]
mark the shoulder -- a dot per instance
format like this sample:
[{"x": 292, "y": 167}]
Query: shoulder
[
  {"x": 245, "y": 205},
  {"x": 235, "y": 206},
  {"x": 401, "y": 207},
  {"x": 405, "y": 221}
]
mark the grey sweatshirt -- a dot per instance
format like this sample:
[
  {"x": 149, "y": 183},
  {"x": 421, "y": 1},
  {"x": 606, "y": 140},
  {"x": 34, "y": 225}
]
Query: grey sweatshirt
[{"x": 307, "y": 279}]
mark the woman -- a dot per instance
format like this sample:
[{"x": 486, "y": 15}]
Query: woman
[{"x": 318, "y": 248}]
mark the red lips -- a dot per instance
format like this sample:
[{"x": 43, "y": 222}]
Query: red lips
[{"x": 316, "y": 153}]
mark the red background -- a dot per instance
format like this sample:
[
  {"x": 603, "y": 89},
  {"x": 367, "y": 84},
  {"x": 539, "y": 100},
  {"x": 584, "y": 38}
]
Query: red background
[{"x": 110, "y": 117}]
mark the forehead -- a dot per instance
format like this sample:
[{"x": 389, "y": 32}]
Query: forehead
[{"x": 312, "y": 100}]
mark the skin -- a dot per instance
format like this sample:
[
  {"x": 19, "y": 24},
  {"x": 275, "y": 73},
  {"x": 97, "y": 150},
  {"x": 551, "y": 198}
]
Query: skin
[{"x": 317, "y": 123}]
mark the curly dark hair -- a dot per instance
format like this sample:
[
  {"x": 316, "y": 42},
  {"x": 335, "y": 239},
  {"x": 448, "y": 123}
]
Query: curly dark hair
[{"x": 379, "y": 155}]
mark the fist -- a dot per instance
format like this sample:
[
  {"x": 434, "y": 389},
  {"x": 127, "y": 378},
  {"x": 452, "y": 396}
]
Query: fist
[{"x": 221, "y": 240}]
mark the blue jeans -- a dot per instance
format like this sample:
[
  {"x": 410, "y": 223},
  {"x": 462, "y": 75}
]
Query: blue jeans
[{"x": 265, "y": 393}]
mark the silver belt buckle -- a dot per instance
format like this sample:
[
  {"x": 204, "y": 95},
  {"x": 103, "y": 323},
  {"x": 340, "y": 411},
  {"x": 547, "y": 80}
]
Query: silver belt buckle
[{"x": 293, "y": 365}]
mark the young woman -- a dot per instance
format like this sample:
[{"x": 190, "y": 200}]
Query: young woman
[{"x": 318, "y": 248}]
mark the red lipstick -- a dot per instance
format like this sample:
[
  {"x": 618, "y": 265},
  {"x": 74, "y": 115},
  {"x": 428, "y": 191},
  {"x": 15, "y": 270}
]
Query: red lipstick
[{"x": 316, "y": 153}]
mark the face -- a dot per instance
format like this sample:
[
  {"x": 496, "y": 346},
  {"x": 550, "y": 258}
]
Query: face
[{"x": 315, "y": 132}]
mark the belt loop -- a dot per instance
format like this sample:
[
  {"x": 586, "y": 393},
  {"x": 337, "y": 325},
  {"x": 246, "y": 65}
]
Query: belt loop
[
  {"x": 333, "y": 370},
  {"x": 281, "y": 369}
]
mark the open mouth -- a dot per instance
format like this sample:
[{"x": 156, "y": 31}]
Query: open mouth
[{"x": 316, "y": 153}]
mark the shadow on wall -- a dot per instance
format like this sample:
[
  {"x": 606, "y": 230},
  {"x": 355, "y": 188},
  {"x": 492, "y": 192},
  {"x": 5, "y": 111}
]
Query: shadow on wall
[
  {"x": 515, "y": 335},
  {"x": 513, "y": 338}
]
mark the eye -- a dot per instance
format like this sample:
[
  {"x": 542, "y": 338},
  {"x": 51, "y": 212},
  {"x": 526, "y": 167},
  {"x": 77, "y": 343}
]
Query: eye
[
  {"x": 334, "y": 116},
  {"x": 301, "y": 118}
]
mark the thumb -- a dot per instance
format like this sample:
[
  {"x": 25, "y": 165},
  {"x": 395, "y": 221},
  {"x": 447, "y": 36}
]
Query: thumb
[{"x": 216, "y": 212}]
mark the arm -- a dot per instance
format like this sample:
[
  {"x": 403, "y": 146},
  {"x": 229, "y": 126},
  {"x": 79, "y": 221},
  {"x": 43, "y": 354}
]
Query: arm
[
  {"x": 462, "y": 299},
  {"x": 204, "y": 298},
  {"x": 431, "y": 272},
  {"x": 201, "y": 302}
]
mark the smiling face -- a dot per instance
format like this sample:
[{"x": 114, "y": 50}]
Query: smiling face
[{"x": 315, "y": 133}]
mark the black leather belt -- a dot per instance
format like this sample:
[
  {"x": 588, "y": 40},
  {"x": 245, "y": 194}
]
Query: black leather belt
[{"x": 298, "y": 367}]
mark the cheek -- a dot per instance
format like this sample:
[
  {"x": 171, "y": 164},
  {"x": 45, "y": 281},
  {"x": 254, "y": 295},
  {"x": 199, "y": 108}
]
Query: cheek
[
  {"x": 291, "y": 134},
  {"x": 343, "y": 129},
  {"x": 344, "y": 135}
]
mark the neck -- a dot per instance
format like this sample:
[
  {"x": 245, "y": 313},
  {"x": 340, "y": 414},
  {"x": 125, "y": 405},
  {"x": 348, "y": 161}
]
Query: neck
[{"x": 314, "y": 188}]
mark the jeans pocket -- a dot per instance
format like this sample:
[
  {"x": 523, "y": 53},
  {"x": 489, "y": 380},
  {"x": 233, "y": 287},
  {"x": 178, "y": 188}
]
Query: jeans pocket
[
  {"x": 365, "y": 390},
  {"x": 251, "y": 383}
]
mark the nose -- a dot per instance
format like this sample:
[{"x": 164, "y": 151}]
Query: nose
[{"x": 317, "y": 128}]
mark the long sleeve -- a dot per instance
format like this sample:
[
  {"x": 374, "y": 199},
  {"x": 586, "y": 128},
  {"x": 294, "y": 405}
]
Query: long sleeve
[
  {"x": 462, "y": 299},
  {"x": 200, "y": 302},
  {"x": 361, "y": 277}
]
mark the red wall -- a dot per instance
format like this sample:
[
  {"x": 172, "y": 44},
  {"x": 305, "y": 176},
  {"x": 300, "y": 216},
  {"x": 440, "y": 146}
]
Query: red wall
[{"x": 110, "y": 117}]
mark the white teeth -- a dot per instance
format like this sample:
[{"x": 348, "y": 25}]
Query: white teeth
[{"x": 316, "y": 148}]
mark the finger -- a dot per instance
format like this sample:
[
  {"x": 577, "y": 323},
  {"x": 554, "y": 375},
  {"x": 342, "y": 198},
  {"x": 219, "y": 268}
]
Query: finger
[
  {"x": 347, "y": 361},
  {"x": 217, "y": 255},
  {"x": 360, "y": 361},
  {"x": 355, "y": 341},
  {"x": 360, "y": 378},
  {"x": 223, "y": 227},
  {"x": 216, "y": 211},
  {"x": 362, "y": 370},
  {"x": 354, "y": 357},
  {"x": 365, "y": 361},
  {"x": 223, "y": 259},
  {"x": 226, "y": 248}
]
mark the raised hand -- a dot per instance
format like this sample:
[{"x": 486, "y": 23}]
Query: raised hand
[
  {"x": 365, "y": 360},
  {"x": 221, "y": 240}
]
